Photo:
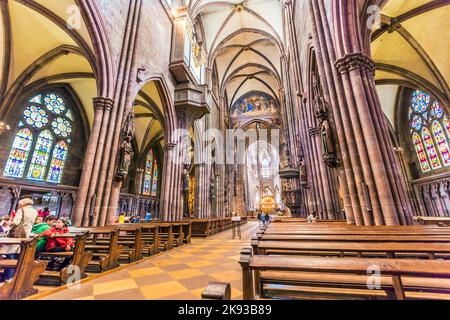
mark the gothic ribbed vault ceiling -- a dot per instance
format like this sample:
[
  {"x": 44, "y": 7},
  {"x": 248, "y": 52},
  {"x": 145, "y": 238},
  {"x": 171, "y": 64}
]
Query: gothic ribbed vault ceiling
[
  {"x": 244, "y": 41},
  {"x": 411, "y": 49}
]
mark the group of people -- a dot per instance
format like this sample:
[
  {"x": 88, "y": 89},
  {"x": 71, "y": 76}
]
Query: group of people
[
  {"x": 35, "y": 223},
  {"x": 263, "y": 218},
  {"x": 122, "y": 218}
]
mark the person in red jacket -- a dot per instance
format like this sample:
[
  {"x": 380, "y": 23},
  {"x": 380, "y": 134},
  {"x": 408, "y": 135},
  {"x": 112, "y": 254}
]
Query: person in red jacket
[{"x": 57, "y": 244}]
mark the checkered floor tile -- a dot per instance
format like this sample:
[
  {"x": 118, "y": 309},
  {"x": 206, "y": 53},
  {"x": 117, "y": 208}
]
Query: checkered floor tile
[{"x": 180, "y": 274}]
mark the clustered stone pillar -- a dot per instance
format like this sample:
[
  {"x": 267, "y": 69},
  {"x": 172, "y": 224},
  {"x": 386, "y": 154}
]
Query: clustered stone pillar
[
  {"x": 171, "y": 194},
  {"x": 97, "y": 198},
  {"x": 81, "y": 212},
  {"x": 374, "y": 183}
]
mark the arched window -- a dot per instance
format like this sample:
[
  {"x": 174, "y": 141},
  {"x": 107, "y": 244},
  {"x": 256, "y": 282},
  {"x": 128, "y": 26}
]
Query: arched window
[
  {"x": 17, "y": 161},
  {"x": 47, "y": 117},
  {"x": 151, "y": 174},
  {"x": 41, "y": 156},
  {"x": 430, "y": 131}
]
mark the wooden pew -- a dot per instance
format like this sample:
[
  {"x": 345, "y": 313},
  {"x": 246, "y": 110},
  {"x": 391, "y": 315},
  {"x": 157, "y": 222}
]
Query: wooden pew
[
  {"x": 432, "y": 220},
  {"x": 187, "y": 229},
  {"x": 304, "y": 277},
  {"x": 353, "y": 238},
  {"x": 201, "y": 228},
  {"x": 27, "y": 270},
  {"x": 105, "y": 256},
  {"x": 302, "y": 220},
  {"x": 80, "y": 259},
  {"x": 130, "y": 238},
  {"x": 360, "y": 249}
]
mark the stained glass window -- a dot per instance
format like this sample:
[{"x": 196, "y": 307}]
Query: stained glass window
[
  {"x": 47, "y": 117},
  {"x": 421, "y": 153},
  {"x": 20, "y": 151},
  {"x": 420, "y": 101},
  {"x": 62, "y": 127},
  {"x": 36, "y": 117},
  {"x": 41, "y": 155},
  {"x": 150, "y": 186},
  {"x": 430, "y": 130},
  {"x": 58, "y": 160},
  {"x": 431, "y": 149},
  {"x": 54, "y": 103},
  {"x": 155, "y": 179},
  {"x": 148, "y": 175},
  {"x": 447, "y": 126},
  {"x": 441, "y": 142}
]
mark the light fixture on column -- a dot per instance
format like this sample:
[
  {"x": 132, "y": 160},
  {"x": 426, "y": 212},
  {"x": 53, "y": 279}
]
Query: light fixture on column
[{"x": 4, "y": 127}]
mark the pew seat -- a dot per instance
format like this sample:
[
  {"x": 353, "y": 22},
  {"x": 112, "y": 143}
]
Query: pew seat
[{"x": 26, "y": 270}]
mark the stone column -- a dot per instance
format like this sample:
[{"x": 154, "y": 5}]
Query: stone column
[
  {"x": 171, "y": 193},
  {"x": 80, "y": 212}
]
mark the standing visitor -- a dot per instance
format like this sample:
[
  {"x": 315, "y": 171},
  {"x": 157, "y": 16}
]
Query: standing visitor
[
  {"x": 44, "y": 213},
  {"x": 236, "y": 223},
  {"x": 260, "y": 220},
  {"x": 25, "y": 217}
]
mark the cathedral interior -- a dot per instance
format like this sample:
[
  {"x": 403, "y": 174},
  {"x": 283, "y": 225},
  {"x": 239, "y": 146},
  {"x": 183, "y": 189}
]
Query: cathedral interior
[{"x": 206, "y": 109}]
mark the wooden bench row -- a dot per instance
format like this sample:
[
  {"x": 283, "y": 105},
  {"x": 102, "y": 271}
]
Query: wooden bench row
[
  {"x": 96, "y": 249},
  {"x": 296, "y": 260},
  {"x": 209, "y": 227}
]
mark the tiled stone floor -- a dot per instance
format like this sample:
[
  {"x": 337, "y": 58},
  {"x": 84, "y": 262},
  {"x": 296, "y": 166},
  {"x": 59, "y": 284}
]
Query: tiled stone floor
[{"x": 180, "y": 274}]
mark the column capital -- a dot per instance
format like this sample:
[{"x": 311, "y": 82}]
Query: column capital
[
  {"x": 169, "y": 146},
  {"x": 355, "y": 61},
  {"x": 287, "y": 3},
  {"x": 103, "y": 103}
]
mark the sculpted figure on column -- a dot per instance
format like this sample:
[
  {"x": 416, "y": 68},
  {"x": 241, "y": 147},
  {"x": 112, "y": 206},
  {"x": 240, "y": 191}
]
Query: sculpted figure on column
[{"x": 126, "y": 149}]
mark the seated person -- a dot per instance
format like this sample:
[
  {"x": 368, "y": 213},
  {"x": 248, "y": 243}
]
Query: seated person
[
  {"x": 55, "y": 244},
  {"x": 312, "y": 218},
  {"x": 148, "y": 217},
  {"x": 135, "y": 219},
  {"x": 5, "y": 225},
  {"x": 39, "y": 228},
  {"x": 66, "y": 219}
]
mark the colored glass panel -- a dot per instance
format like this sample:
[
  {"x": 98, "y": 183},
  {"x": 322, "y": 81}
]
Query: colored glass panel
[
  {"x": 146, "y": 190},
  {"x": 62, "y": 127},
  {"x": 155, "y": 179},
  {"x": 54, "y": 103},
  {"x": 424, "y": 164},
  {"x": 41, "y": 155},
  {"x": 417, "y": 123},
  {"x": 20, "y": 151},
  {"x": 431, "y": 150},
  {"x": 441, "y": 141},
  {"x": 58, "y": 161},
  {"x": 447, "y": 126},
  {"x": 436, "y": 110},
  {"x": 36, "y": 117},
  {"x": 37, "y": 99},
  {"x": 420, "y": 101}
]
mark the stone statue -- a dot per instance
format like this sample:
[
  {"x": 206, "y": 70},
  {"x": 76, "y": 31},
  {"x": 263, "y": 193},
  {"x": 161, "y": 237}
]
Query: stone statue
[
  {"x": 212, "y": 188},
  {"x": 328, "y": 148},
  {"x": 128, "y": 127},
  {"x": 303, "y": 174},
  {"x": 186, "y": 179},
  {"x": 126, "y": 149},
  {"x": 126, "y": 155},
  {"x": 327, "y": 141}
]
